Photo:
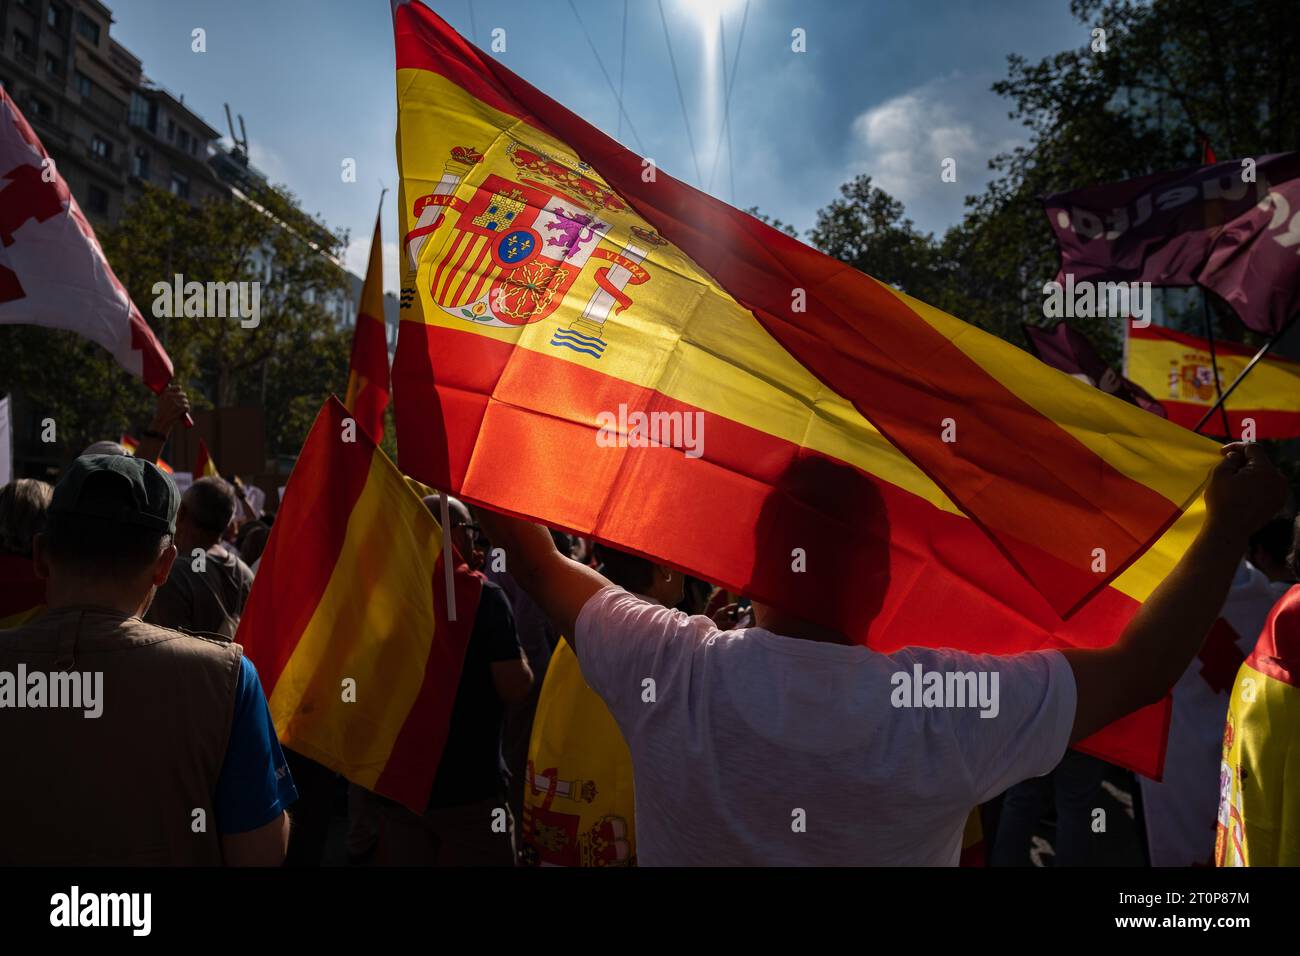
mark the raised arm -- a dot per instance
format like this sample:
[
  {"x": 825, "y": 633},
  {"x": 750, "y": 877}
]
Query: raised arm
[
  {"x": 173, "y": 405},
  {"x": 1167, "y": 631},
  {"x": 559, "y": 585}
]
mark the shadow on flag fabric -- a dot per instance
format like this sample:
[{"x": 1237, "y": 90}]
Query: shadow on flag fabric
[
  {"x": 367, "y": 393},
  {"x": 1203, "y": 225},
  {"x": 1066, "y": 348},
  {"x": 590, "y": 343},
  {"x": 347, "y": 619},
  {"x": 1176, "y": 367},
  {"x": 52, "y": 270}
]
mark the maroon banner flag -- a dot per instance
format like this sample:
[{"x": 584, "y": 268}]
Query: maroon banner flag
[
  {"x": 1069, "y": 350},
  {"x": 1233, "y": 228}
]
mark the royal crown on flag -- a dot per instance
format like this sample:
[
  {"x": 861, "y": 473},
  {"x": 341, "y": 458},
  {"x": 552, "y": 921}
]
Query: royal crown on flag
[{"x": 516, "y": 248}]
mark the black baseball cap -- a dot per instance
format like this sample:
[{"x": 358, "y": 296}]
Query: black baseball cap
[{"x": 127, "y": 490}]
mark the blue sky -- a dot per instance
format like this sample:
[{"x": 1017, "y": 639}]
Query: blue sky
[{"x": 886, "y": 88}]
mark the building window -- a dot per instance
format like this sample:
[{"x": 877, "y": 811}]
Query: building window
[
  {"x": 180, "y": 186},
  {"x": 88, "y": 28},
  {"x": 101, "y": 147},
  {"x": 82, "y": 83},
  {"x": 140, "y": 163},
  {"x": 54, "y": 16},
  {"x": 97, "y": 200},
  {"x": 171, "y": 131},
  {"x": 22, "y": 44},
  {"x": 185, "y": 140},
  {"x": 40, "y": 108},
  {"x": 52, "y": 65}
]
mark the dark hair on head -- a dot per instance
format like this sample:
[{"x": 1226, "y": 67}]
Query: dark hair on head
[
  {"x": 23, "y": 507},
  {"x": 833, "y": 515},
  {"x": 102, "y": 547},
  {"x": 1274, "y": 539},
  {"x": 626, "y": 570},
  {"x": 251, "y": 541},
  {"x": 210, "y": 503}
]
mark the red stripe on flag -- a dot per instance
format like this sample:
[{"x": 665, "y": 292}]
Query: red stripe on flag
[
  {"x": 313, "y": 520},
  {"x": 947, "y": 584},
  {"x": 1269, "y": 422},
  {"x": 412, "y": 766}
]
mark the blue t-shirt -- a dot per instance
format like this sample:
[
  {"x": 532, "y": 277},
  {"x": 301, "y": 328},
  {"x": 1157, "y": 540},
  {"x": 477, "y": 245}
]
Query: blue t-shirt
[{"x": 255, "y": 785}]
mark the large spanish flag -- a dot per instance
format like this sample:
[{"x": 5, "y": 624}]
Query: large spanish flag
[
  {"x": 1175, "y": 368},
  {"x": 347, "y": 621},
  {"x": 593, "y": 344},
  {"x": 1259, "y": 780},
  {"x": 367, "y": 394}
]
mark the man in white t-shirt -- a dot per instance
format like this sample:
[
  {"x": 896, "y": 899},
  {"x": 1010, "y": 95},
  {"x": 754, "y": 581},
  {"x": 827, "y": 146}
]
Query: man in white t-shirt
[{"x": 786, "y": 744}]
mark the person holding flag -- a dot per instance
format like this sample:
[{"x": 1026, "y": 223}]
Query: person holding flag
[{"x": 764, "y": 745}]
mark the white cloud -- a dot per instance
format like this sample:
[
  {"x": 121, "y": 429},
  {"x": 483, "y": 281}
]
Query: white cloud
[
  {"x": 357, "y": 258},
  {"x": 902, "y": 142}
]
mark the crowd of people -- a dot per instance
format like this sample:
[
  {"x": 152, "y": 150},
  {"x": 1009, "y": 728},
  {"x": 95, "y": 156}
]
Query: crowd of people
[{"x": 764, "y": 739}]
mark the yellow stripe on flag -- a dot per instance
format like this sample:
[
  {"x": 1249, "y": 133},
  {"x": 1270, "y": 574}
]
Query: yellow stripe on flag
[{"x": 381, "y": 585}]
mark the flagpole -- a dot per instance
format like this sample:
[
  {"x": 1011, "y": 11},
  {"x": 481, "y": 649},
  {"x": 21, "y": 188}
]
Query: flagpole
[
  {"x": 1268, "y": 346},
  {"x": 448, "y": 559},
  {"x": 1214, "y": 364}
]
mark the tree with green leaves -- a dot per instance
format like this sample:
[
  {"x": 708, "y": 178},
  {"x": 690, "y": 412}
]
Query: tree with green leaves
[{"x": 295, "y": 356}]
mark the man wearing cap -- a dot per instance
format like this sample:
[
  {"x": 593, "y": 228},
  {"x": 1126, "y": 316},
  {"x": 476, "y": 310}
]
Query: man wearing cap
[{"x": 177, "y": 762}]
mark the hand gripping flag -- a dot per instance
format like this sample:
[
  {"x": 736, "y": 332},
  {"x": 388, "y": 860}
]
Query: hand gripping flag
[
  {"x": 588, "y": 342},
  {"x": 52, "y": 270},
  {"x": 367, "y": 394},
  {"x": 347, "y": 619},
  {"x": 1176, "y": 369}
]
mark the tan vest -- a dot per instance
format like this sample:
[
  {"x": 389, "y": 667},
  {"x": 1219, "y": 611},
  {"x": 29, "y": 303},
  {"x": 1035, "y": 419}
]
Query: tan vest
[{"x": 121, "y": 788}]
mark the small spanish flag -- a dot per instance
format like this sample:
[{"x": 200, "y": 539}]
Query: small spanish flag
[
  {"x": 204, "y": 466},
  {"x": 1176, "y": 369},
  {"x": 367, "y": 394},
  {"x": 347, "y": 619},
  {"x": 579, "y": 801},
  {"x": 131, "y": 443},
  {"x": 1259, "y": 779}
]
